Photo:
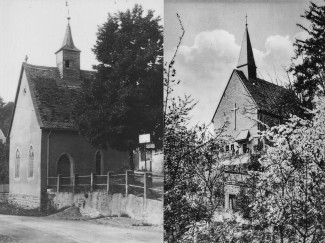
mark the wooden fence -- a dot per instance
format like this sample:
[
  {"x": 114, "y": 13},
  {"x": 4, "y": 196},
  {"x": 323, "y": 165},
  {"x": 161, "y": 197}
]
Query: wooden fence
[{"x": 139, "y": 183}]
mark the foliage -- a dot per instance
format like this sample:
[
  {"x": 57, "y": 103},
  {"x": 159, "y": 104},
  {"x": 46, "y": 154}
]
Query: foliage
[
  {"x": 126, "y": 98},
  {"x": 309, "y": 65},
  {"x": 4, "y": 163},
  {"x": 5, "y": 115},
  {"x": 193, "y": 180},
  {"x": 290, "y": 192}
]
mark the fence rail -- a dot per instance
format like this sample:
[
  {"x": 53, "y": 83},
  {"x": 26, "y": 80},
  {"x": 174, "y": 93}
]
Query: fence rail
[{"x": 138, "y": 183}]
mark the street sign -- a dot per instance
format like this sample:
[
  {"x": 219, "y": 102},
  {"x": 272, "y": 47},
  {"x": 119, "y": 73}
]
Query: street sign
[
  {"x": 144, "y": 138},
  {"x": 150, "y": 146}
]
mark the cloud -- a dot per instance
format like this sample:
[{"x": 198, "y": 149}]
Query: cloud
[{"x": 205, "y": 67}]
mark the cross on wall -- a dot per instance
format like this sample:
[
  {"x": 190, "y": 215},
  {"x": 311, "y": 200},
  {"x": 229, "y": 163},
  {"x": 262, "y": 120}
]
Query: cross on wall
[{"x": 234, "y": 110}]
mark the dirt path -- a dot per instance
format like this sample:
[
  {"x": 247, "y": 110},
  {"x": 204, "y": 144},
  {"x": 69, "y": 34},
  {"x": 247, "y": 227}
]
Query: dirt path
[{"x": 35, "y": 229}]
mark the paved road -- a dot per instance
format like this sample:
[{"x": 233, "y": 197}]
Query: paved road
[{"x": 44, "y": 230}]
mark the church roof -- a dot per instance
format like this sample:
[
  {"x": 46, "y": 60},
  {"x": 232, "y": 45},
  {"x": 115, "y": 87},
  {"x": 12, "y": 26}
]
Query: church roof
[
  {"x": 67, "y": 43},
  {"x": 267, "y": 96},
  {"x": 53, "y": 98}
]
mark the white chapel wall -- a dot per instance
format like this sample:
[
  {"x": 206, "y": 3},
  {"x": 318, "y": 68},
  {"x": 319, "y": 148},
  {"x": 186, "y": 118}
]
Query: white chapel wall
[{"x": 25, "y": 132}]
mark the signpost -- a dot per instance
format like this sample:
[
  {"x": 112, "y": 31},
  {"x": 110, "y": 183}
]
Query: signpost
[{"x": 145, "y": 139}]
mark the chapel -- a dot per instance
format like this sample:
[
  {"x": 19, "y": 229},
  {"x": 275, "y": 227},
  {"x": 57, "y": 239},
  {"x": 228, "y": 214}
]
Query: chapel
[
  {"x": 248, "y": 105},
  {"x": 44, "y": 139}
]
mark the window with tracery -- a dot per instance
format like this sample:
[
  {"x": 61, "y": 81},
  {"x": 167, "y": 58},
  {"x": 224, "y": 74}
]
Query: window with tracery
[
  {"x": 17, "y": 164},
  {"x": 31, "y": 162}
]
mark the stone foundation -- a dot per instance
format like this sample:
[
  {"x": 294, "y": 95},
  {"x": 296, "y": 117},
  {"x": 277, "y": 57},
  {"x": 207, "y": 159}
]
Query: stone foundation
[
  {"x": 102, "y": 203},
  {"x": 24, "y": 201}
]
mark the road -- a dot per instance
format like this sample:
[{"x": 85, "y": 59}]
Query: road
[{"x": 45, "y": 230}]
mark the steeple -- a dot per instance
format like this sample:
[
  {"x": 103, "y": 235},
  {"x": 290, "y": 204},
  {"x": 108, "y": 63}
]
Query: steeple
[
  {"x": 246, "y": 62},
  {"x": 68, "y": 56},
  {"x": 67, "y": 43}
]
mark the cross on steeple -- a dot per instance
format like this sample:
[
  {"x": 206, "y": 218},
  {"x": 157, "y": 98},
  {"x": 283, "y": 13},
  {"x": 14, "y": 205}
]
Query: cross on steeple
[{"x": 234, "y": 110}]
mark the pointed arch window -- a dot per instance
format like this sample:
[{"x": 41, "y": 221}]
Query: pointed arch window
[
  {"x": 31, "y": 162},
  {"x": 17, "y": 164}
]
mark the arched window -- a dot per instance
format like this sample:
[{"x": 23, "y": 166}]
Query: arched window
[
  {"x": 17, "y": 164},
  {"x": 98, "y": 163},
  {"x": 64, "y": 166},
  {"x": 31, "y": 162}
]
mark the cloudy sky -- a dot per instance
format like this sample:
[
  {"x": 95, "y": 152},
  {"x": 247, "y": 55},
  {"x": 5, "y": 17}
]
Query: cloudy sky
[
  {"x": 211, "y": 46},
  {"x": 36, "y": 28}
]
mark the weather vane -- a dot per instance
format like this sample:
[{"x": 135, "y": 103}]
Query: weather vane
[
  {"x": 246, "y": 19},
  {"x": 26, "y": 58},
  {"x": 67, "y": 5}
]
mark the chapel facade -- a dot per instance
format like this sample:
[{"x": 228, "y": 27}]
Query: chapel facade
[
  {"x": 44, "y": 139},
  {"x": 248, "y": 104}
]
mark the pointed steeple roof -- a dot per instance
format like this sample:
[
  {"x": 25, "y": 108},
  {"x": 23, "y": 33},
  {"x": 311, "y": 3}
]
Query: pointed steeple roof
[
  {"x": 67, "y": 43},
  {"x": 246, "y": 61}
]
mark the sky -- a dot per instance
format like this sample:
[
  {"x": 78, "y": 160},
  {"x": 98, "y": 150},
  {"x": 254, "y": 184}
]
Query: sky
[
  {"x": 36, "y": 28},
  {"x": 213, "y": 34}
]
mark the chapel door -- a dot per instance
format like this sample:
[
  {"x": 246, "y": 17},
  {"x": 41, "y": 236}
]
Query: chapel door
[{"x": 64, "y": 166}]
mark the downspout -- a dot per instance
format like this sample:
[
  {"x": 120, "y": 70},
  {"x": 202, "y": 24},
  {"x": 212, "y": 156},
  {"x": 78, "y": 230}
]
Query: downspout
[{"x": 48, "y": 157}]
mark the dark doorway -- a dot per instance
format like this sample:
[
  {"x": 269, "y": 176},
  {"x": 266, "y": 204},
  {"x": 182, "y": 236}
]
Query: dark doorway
[
  {"x": 98, "y": 163},
  {"x": 64, "y": 166},
  {"x": 232, "y": 201}
]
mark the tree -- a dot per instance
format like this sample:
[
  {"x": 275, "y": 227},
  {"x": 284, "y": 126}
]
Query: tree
[
  {"x": 309, "y": 61},
  {"x": 126, "y": 98},
  {"x": 5, "y": 115},
  {"x": 4, "y": 163},
  {"x": 290, "y": 193},
  {"x": 193, "y": 180}
]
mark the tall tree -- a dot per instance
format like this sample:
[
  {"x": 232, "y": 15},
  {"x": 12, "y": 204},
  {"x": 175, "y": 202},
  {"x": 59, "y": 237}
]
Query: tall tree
[
  {"x": 290, "y": 192},
  {"x": 193, "y": 180},
  {"x": 126, "y": 98},
  {"x": 309, "y": 61}
]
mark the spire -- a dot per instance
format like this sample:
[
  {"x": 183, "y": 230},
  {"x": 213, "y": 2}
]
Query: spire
[
  {"x": 68, "y": 56},
  {"x": 67, "y": 43},
  {"x": 246, "y": 61}
]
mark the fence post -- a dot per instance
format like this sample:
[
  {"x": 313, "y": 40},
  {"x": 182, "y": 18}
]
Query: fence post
[
  {"x": 58, "y": 183},
  {"x": 127, "y": 173},
  {"x": 108, "y": 175},
  {"x": 145, "y": 185},
  {"x": 91, "y": 181},
  {"x": 74, "y": 182}
]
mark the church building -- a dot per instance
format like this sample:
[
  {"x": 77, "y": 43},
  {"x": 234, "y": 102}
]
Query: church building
[
  {"x": 248, "y": 104},
  {"x": 44, "y": 140}
]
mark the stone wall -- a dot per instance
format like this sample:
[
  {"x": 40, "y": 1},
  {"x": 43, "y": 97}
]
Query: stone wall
[
  {"x": 24, "y": 201},
  {"x": 102, "y": 203}
]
